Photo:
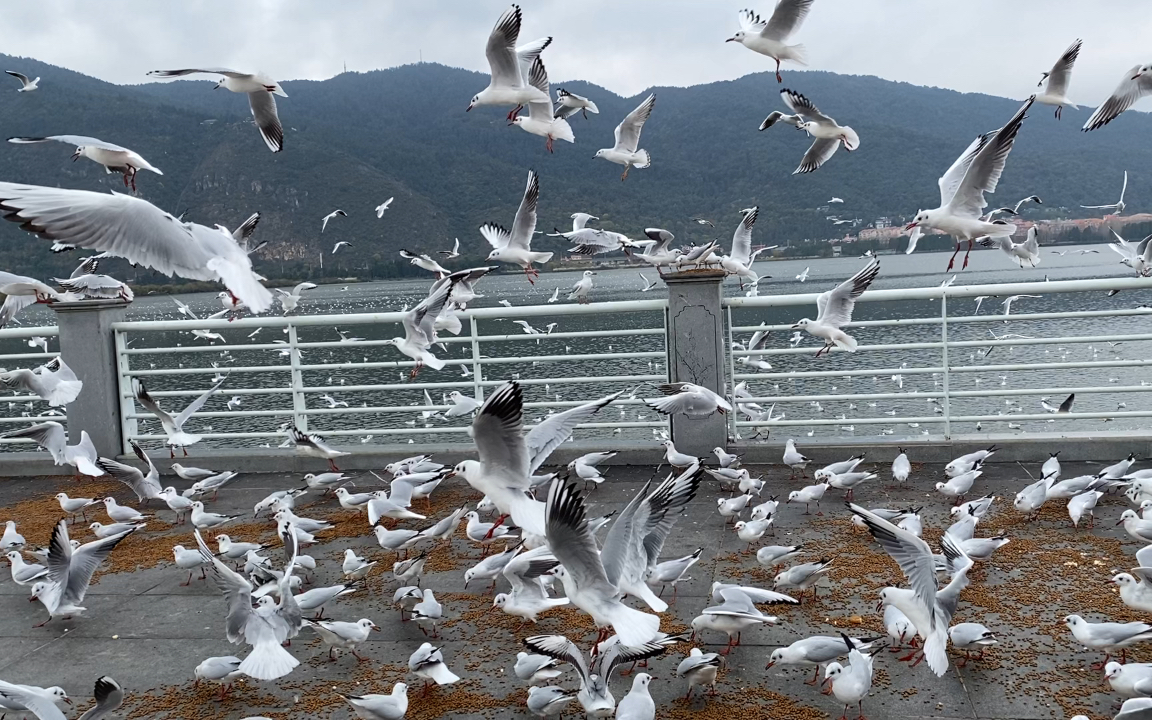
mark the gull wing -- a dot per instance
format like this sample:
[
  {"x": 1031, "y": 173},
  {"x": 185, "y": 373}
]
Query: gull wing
[
  {"x": 986, "y": 166},
  {"x": 108, "y": 695},
  {"x": 13, "y": 304},
  {"x": 496, "y": 235},
  {"x": 501, "y": 49},
  {"x": 48, "y": 435},
  {"x": 804, "y": 107},
  {"x": 498, "y": 433},
  {"x": 950, "y": 181},
  {"x": 263, "y": 106},
  {"x": 910, "y": 552},
  {"x": 22, "y": 379},
  {"x": 785, "y": 19},
  {"x": 836, "y": 305},
  {"x": 628, "y": 131},
  {"x": 551, "y": 433},
  {"x": 672, "y": 497},
  {"x": 237, "y": 592},
  {"x": 419, "y": 320},
  {"x": 38, "y": 703},
  {"x": 821, "y": 150},
  {"x": 1061, "y": 72},
  {"x": 618, "y": 654},
  {"x": 571, "y": 540},
  {"x": 246, "y": 228},
  {"x": 196, "y": 404},
  {"x": 560, "y": 648},
  {"x": 524, "y": 225},
  {"x": 211, "y": 71},
  {"x": 77, "y": 140},
  {"x": 73, "y": 569},
  {"x": 302, "y": 287},
  {"x": 19, "y": 76},
  {"x": 538, "y": 78},
  {"x": 622, "y": 553},
  {"x": 1066, "y": 406},
  {"x": 1134, "y": 86},
  {"x": 742, "y": 238}
]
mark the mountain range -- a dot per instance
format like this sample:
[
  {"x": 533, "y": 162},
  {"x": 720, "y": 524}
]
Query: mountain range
[{"x": 356, "y": 139}]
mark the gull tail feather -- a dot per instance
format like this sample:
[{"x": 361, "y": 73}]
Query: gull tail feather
[
  {"x": 442, "y": 675},
  {"x": 634, "y": 627},
  {"x": 796, "y": 53},
  {"x": 845, "y": 342},
  {"x": 432, "y": 361},
  {"x": 643, "y": 592},
  {"x": 241, "y": 281},
  {"x": 65, "y": 392},
  {"x": 540, "y": 257},
  {"x": 528, "y": 514},
  {"x": 561, "y": 130},
  {"x": 935, "y": 651},
  {"x": 268, "y": 661},
  {"x": 645, "y": 162}
]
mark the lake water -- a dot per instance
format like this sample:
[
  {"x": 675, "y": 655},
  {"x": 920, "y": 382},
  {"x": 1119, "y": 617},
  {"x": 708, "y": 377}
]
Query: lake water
[{"x": 898, "y": 271}]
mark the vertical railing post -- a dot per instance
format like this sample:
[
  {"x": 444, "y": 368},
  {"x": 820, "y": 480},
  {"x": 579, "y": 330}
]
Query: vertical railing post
[
  {"x": 87, "y": 345},
  {"x": 299, "y": 402},
  {"x": 128, "y": 424},
  {"x": 944, "y": 363},
  {"x": 696, "y": 352},
  {"x": 732, "y": 378},
  {"x": 477, "y": 373}
]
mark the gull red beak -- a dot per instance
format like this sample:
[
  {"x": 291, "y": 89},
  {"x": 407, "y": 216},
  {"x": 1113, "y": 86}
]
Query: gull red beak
[
  {"x": 910, "y": 225},
  {"x": 1120, "y": 523},
  {"x": 731, "y": 39}
]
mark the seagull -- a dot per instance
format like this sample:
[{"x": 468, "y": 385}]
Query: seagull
[
  {"x": 510, "y": 66},
  {"x": 595, "y": 695},
  {"x": 315, "y": 446},
  {"x": 1137, "y": 256},
  {"x": 289, "y": 300},
  {"x": 21, "y": 291},
  {"x": 113, "y": 157},
  {"x": 827, "y": 133},
  {"x": 739, "y": 261},
  {"x": 339, "y": 245},
  {"x": 451, "y": 254},
  {"x": 138, "y": 231},
  {"x": 962, "y": 188},
  {"x": 835, "y": 310},
  {"x": 51, "y": 436},
  {"x": 419, "y": 334},
  {"x": 173, "y": 426},
  {"x": 582, "y": 287},
  {"x": 702, "y": 221},
  {"x": 26, "y": 85},
  {"x": 1056, "y": 93},
  {"x": 769, "y": 38},
  {"x": 1116, "y": 207},
  {"x": 1137, "y": 83},
  {"x": 776, "y": 116},
  {"x": 1024, "y": 252},
  {"x": 266, "y": 626},
  {"x": 70, "y": 571},
  {"x": 688, "y": 399},
  {"x": 515, "y": 247},
  {"x": 380, "y": 707},
  {"x": 804, "y": 275},
  {"x": 1007, "y": 304},
  {"x": 329, "y": 216},
  {"x": 648, "y": 284},
  {"x": 424, "y": 262},
  {"x": 1064, "y": 407},
  {"x": 625, "y": 151},
  {"x": 146, "y": 487},
  {"x": 568, "y": 104},
  {"x": 541, "y": 120},
  {"x": 54, "y": 382},
  {"x": 96, "y": 286},
  {"x": 380, "y": 208},
  {"x": 259, "y": 89}
]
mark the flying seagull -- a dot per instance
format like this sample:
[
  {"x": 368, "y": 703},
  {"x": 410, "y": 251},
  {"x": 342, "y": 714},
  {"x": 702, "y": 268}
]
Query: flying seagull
[
  {"x": 173, "y": 426},
  {"x": 259, "y": 89},
  {"x": 113, "y": 157},
  {"x": 329, "y": 216},
  {"x": 1137, "y": 83},
  {"x": 1056, "y": 93},
  {"x": 26, "y": 85},
  {"x": 510, "y": 65},
  {"x": 769, "y": 38},
  {"x": 624, "y": 151}
]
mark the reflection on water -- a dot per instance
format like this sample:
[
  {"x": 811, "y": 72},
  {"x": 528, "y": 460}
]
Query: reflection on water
[{"x": 549, "y": 379}]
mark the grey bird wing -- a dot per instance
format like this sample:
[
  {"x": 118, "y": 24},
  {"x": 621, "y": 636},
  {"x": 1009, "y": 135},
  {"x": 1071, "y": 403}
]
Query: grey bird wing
[
  {"x": 109, "y": 696},
  {"x": 785, "y": 19},
  {"x": 551, "y": 433},
  {"x": 263, "y": 105},
  {"x": 628, "y": 131},
  {"x": 236, "y": 590}
]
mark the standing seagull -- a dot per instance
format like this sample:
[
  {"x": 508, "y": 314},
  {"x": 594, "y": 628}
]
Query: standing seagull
[
  {"x": 835, "y": 310},
  {"x": 173, "y": 426},
  {"x": 26, "y": 85},
  {"x": 139, "y": 232},
  {"x": 259, "y": 89},
  {"x": 625, "y": 151},
  {"x": 1116, "y": 207},
  {"x": 113, "y": 157},
  {"x": 568, "y": 104},
  {"x": 962, "y": 188},
  {"x": 768, "y": 38},
  {"x": 1056, "y": 93},
  {"x": 510, "y": 66},
  {"x": 827, "y": 133},
  {"x": 1137, "y": 83},
  {"x": 582, "y": 287},
  {"x": 515, "y": 247}
]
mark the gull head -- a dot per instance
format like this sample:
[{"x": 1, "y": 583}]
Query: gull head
[
  {"x": 600, "y": 153},
  {"x": 500, "y": 600},
  {"x": 495, "y": 255},
  {"x": 1073, "y": 621},
  {"x": 220, "y": 84},
  {"x": 13, "y": 556},
  {"x": 1112, "y": 670},
  {"x": 777, "y": 657},
  {"x": 833, "y": 670},
  {"x": 468, "y": 575},
  {"x": 78, "y": 154},
  {"x": 1128, "y": 515},
  {"x": 738, "y": 37},
  {"x": 922, "y": 216},
  {"x": 474, "y": 102},
  {"x": 802, "y": 323},
  {"x": 265, "y": 601},
  {"x": 1143, "y": 69},
  {"x": 58, "y": 694},
  {"x": 367, "y": 624},
  {"x": 37, "y": 590},
  {"x": 1120, "y": 579}
]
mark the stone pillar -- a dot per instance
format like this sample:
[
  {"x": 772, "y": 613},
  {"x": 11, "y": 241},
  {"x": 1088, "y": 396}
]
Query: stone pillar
[
  {"x": 88, "y": 346},
  {"x": 696, "y": 353}
]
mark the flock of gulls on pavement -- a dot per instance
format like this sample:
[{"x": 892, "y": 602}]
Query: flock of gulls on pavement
[{"x": 264, "y": 605}]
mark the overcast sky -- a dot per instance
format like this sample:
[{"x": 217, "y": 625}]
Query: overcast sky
[{"x": 998, "y": 47}]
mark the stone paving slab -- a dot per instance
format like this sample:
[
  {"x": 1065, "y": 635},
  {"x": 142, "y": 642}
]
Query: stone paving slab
[{"x": 148, "y": 632}]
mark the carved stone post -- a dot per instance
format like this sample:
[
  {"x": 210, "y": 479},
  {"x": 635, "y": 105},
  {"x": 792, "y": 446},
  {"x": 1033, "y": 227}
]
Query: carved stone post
[{"x": 696, "y": 353}]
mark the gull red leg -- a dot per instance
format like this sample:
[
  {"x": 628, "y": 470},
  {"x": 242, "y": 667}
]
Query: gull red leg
[
  {"x": 966, "y": 254},
  {"x": 778, "y": 78},
  {"x": 952, "y": 260}
]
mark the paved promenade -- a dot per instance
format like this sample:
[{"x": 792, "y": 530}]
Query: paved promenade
[{"x": 148, "y": 632}]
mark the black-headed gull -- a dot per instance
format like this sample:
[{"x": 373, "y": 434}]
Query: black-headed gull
[
  {"x": 173, "y": 426},
  {"x": 625, "y": 151},
  {"x": 547, "y": 701},
  {"x": 419, "y": 333},
  {"x": 739, "y": 261},
  {"x": 648, "y": 284},
  {"x": 259, "y": 89},
  {"x": 1056, "y": 92},
  {"x": 1021, "y": 252},
  {"x": 380, "y": 707},
  {"x": 29, "y": 699},
  {"x": 684, "y": 398},
  {"x": 113, "y": 157},
  {"x": 582, "y": 287},
  {"x": 510, "y": 66},
  {"x": 515, "y": 247},
  {"x": 1116, "y": 207},
  {"x": 314, "y": 446},
  {"x": 70, "y": 571},
  {"x": 21, "y": 291},
  {"x": 1137, "y": 256},
  {"x": 146, "y": 486},
  {"x": 424, "y": 262},
  {"x": 342, "y": 243},
  {"x": 568, "y": 104},
  {"x": 54, "y": 382},
  {"x": 594, "y": 695},
  {"x": 827, "y": 134},
  {"x": 1137, "y": 83},
  {"x": 851, "y": 684},
  {"x": 51, "y": 436},
  {"x": 769, "y": 38},
  {"x": 540, "y": 119},
  {"x": 92, "y": 285},
  {"x": 962, "y": 188},
  {"x": 26, "y": 85},
  {"x": 453, "y": 253},
  {"x": 290, "y": 300},
  {"x": 969, "y": 637},
  {"x": 139, "y": 232},
  {"x": 383, "y": 206},
  {"x": 329, "y": 216},
  {"x": 776, "y": 116},
  {"x": 835, "y": 310}
]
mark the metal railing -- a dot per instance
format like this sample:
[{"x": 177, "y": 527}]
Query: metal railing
[
  {"x": 915, "y": 345},
  {"x": 26, "y": 348},
  {"x": 343, "y": 394}
]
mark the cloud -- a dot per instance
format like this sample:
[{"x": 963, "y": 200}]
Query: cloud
[{"x": 987, "y": 46}]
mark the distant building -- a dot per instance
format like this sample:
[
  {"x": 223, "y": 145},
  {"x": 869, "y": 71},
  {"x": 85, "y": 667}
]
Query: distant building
[{"x": 882, "y": 222}]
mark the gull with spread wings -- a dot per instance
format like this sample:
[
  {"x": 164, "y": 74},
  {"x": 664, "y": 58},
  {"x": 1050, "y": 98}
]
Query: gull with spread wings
[
  {"x": 147, "y": 487},
  {"x": 510, "y": 65},
  {"x": 834, "y": 309},
  {"x": 113, "y": 157},
  {"x": 419, "y": 330},
  {"x": 1056, "y": 92},
  {"x": 70, "y": 571},
  {"x": 51, "y": 436},
  {"x": 174, "y": 426},
  {"x": 516, "y": 247},
  {"x": 259, "y": 89},
  {"x": 770, "y": 37},
  {"x": 625, "y": 150}
]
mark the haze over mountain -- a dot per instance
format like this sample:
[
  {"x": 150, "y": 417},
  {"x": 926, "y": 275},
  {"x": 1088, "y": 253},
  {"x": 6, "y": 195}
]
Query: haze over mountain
[{"x": 356, "y": 139}]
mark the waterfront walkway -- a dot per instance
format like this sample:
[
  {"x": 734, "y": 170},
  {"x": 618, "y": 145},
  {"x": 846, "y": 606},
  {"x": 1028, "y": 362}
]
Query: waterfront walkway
[{"x": 148, "y": 632}]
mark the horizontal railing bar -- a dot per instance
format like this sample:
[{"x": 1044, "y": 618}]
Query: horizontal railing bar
[
  {"x": 837, "y": 373},
  {"x": 1058, "y": 393}
]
